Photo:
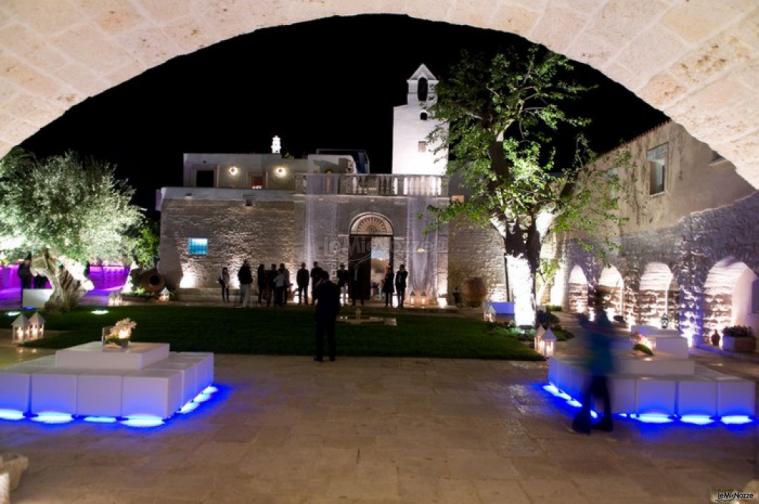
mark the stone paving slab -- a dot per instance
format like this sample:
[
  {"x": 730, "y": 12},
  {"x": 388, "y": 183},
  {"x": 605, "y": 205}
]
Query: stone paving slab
[{"x": 372, "y": 430}]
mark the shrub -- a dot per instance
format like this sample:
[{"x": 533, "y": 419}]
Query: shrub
[
  {"x": 553, "y": 308},
  {"x": 738, "y": 332}
]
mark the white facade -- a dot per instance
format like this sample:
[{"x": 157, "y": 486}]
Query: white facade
[{"x": 412, "y": 124}]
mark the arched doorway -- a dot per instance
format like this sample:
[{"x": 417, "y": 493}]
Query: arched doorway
[
  {"x": 658, "y": 294},
  {"x": 578, "y": 290},
  {"x": 611, "y": 287},
  {"x": 370, "y": 253},
  {"x": 730, "y": 297}
]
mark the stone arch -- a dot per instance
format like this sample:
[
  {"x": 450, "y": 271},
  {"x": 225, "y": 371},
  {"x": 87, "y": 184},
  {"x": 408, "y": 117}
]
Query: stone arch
[
  {"x": 57, "y": 53},
  {"x": 611, "y": 285},
  {"x": 577, "y": 290},
  {"x": 728, "y": 296},
  {"x": 371, "y": 223},
  {"x": 658, "y": 294}
]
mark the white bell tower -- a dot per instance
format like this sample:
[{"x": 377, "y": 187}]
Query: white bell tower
[{"x": 412, "y": 124}]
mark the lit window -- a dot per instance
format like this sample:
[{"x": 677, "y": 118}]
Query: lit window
[
  {"x": 657, "y": 166},
  {"x": 422, "y": 146},
  {"x": 256, "y": 182},
  {"x": 198, "y": 246}
]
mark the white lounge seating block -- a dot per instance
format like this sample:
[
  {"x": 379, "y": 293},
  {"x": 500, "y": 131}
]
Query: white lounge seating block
[
  {"x": 696, "y": 396},
  {"x": 205, "y": 367},
  {"x": 15, "y": 387},
  {"x": 155, "y": 392},
  {"x": 654, "y": 366},
  {"x": 622, "y": 390},
  {"x": 93, "y": 356},
  {"x": 655, "y": 395},
  {"x": 735, "y": 396},
  {"x": 189, "y": 373},
  {"x": 42, "y": 362},
  {"x": 99, "y": 394},
  {"x": 54, "y": 390},
  {"x": 673, "y": 346},
  {"x": 648, "y": 331}
]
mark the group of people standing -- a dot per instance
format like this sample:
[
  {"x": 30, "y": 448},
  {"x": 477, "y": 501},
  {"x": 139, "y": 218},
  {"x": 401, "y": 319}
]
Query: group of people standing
[{"x": 274, "y": 284}]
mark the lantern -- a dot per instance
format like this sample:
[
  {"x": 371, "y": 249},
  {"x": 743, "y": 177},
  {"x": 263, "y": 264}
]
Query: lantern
[
  {"x": 36, "y": 326},
  {"x": 664, "y": 321},
  {"x": 20, "y": 328},
  {"x": 115, "y": 299},
  {"x": 549, "y": 343},
  {"x": 538, "y": 342},
  {"x": 164, "y": 295},
  {"x": 423, "y": 299},
  {"x": 442, "y": 302},
  {"x": 412, "y": 299}
]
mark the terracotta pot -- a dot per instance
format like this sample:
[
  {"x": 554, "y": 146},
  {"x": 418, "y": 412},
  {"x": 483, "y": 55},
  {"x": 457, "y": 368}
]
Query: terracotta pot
[
  {"x": 152, "y": 281},
  {"x": 732, "y": 344},
  {"x": 473, "y": 291}
]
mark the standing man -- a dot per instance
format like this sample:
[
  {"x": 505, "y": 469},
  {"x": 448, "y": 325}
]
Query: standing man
[
  {"x": 400, "y": 284},
  {"x": 387, "y": 287},
  {"x": 316, "y": 276},
  {"x": 261, "y": 281},
  {"x": 246, "y": 279},
  {"x": 271, "y": 274},
  {"x": 356, "y": 288},
  {"x": 286, "y": 292},
  {"x": 301, "y": 278},
  {"x": 343, "y": 279},
  {"x": 327, "y": 298}
]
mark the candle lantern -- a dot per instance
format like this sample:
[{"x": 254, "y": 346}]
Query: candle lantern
[
  {"x": 115, "y": 299},
  {"x": 20, "y": 328},
  {"x": 664, "y": 321},
  {"x": 423, "y": 300},
  {"x": 36, "y": 326},
  {"x": 412, "y": 299},
  {"x": 164, "y": 295},
  {"x": 537, "y": 342},
  {"x": 549, "y": 343}
]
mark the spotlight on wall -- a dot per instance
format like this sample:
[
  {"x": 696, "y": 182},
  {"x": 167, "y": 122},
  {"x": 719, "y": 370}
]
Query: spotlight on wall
[
  {"x": 233, "y": 170},
  {"x": 280, "y": 171}
]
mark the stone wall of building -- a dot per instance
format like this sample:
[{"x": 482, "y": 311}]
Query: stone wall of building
[
  {"x": 262, "y": 233},
  {"x": 474, "y": 251}
]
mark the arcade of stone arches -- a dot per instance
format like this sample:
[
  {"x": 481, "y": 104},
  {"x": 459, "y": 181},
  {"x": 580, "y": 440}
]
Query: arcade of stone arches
[{"x": 729, "y": 297}]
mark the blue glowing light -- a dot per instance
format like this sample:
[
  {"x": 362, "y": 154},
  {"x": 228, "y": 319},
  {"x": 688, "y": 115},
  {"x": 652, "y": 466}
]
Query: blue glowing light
[
  {"x": 100, "y": 419},
  {"x": 189, "y": 407},
  {"x": 53, "y": 417},
  {"x": 551, "y": 389},
  {"x": 574, "y": 403},
  {"x": 736, "y": 419},
  {"x": 657, "y": 418},
  {"x": 12, "y": 313},
  {"x": 210, "y": 390},
  {"x": 697, "y": 419},
  {"x": 142, "y": 421},
  {"x": 99, "y": 312},
  {"x": 202, "y": 397},
  {"x": 10, "y": 414}
]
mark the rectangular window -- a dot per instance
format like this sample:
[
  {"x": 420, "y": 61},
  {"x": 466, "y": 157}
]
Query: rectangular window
[
  {"x": 657, "y": 166},
  {"x": 197, "y": 246},
  {"x": 422, "y": 146},
  {"x": 205, "y": 178}
]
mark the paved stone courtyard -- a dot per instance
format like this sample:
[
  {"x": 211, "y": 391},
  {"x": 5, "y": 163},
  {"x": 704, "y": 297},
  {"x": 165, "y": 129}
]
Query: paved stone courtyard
[{"x": 288, "y": 430}]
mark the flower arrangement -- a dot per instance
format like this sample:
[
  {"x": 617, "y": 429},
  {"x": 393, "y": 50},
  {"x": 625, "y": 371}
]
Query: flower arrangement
[
  {"x": 641, "y": 344},
  {"x": 119, "y": 334}
]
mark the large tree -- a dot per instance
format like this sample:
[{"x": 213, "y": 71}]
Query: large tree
[
  {"x": 64, "y": 210},
  {"x": 519, "y": 153}
]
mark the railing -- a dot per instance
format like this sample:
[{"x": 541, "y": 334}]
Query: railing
[{"x": 372, "y": 185}]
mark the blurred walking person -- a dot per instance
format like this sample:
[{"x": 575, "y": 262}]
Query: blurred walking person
[{"x": 327, "y": 300}]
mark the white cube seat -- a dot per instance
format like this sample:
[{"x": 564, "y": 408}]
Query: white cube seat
[
  {"x": 153, "y": 392},
  {"x": 205, "y": 367},
  {"x": 54, "y": 390},
  {"x": 696, "y": 396},
  {"x": 622, "y": 389},
  {"x": 655, "y": 395},
  {"x": 735, "y": 396},
  {"x": 15, "y": 388},
  {"x": 188, "y": 369},
  {"x": 99, "y": 393},
  {"x": 43, "y": 362}
]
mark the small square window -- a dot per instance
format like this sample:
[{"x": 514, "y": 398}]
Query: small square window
[
  {"x": 657, "y": 166},
  {"x": 422, "y": 146},
  {"x": 197, "y": 246}
]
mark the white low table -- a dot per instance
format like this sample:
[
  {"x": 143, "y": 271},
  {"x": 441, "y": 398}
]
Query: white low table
[{"x": 93, "y": 356}]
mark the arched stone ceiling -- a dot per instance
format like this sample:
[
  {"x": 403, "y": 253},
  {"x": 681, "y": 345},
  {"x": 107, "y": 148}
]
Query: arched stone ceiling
[{"x": 696, "y": 60}]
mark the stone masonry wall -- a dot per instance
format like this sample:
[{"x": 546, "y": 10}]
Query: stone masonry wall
[{"x": 475, "y": 252}]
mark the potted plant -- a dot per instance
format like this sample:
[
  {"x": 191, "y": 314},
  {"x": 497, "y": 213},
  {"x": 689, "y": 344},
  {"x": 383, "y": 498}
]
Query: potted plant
[{"x": 738, "y": 339}]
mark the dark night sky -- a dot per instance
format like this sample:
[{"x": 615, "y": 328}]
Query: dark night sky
[{"x": 327, "y": 83}]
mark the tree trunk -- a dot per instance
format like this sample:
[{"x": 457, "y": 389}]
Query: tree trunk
[
  {"x": 522, "y": 253},
  {"x": 66, "y": 290}
]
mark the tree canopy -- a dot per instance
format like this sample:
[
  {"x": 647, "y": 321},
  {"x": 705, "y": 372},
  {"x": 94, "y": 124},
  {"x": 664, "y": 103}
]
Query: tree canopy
[{"x": 70, "y": 205}]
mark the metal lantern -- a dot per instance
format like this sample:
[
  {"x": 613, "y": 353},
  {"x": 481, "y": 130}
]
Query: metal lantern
[
  {"x": 549, "y": 343},
  {"x": 664, "y": 321},
  {"x": 538, "y": 341},
  {"x": 20, "y": 328},
  {"x": 164, "y": 295},
  {"x": 36, "y": 326},
  {"x": 423, "y": 299},
  {"x": 412, "y": 299}
]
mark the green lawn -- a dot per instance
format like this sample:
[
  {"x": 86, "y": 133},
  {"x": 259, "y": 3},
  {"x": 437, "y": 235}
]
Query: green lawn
[{"x": 288, "y": 332}]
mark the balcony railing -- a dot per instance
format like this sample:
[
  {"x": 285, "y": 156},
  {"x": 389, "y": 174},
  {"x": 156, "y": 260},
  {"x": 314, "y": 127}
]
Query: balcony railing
[{"x": 372, "y": 185}]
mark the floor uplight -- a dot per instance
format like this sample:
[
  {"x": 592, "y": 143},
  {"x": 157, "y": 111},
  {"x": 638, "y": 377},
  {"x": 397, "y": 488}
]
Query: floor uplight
[
  {"x": 100, "y": 419},
  {"x": 142, "y": 421},
  {"x": 658, "y": 418},
  {"x": 10, "y": 414},
  {"x": 202, "y": 397},
  {"x": 697, "y": 419},
  {"x": 99, "y": 312},
  {"x": 210, "y": 390},
  {"x": 12, "y": 313},
  {"x": 52, "y": 417},
  {"x": 188, "y": 408},
  {"x": 736, "y": 419}
]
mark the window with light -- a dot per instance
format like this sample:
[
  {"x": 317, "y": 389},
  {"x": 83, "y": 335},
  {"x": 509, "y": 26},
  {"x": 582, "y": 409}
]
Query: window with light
[
  {"x": 657, "y": 166},
  {"x": 198, "y": 246}
]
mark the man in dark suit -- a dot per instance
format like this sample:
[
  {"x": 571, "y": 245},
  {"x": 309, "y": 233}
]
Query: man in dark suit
[
  {"x": 316, "y": 276},
  {"x": 400, "y": 284},
  {"x": 302, "y": 279},
  {"x": 327, "y": 297}
]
